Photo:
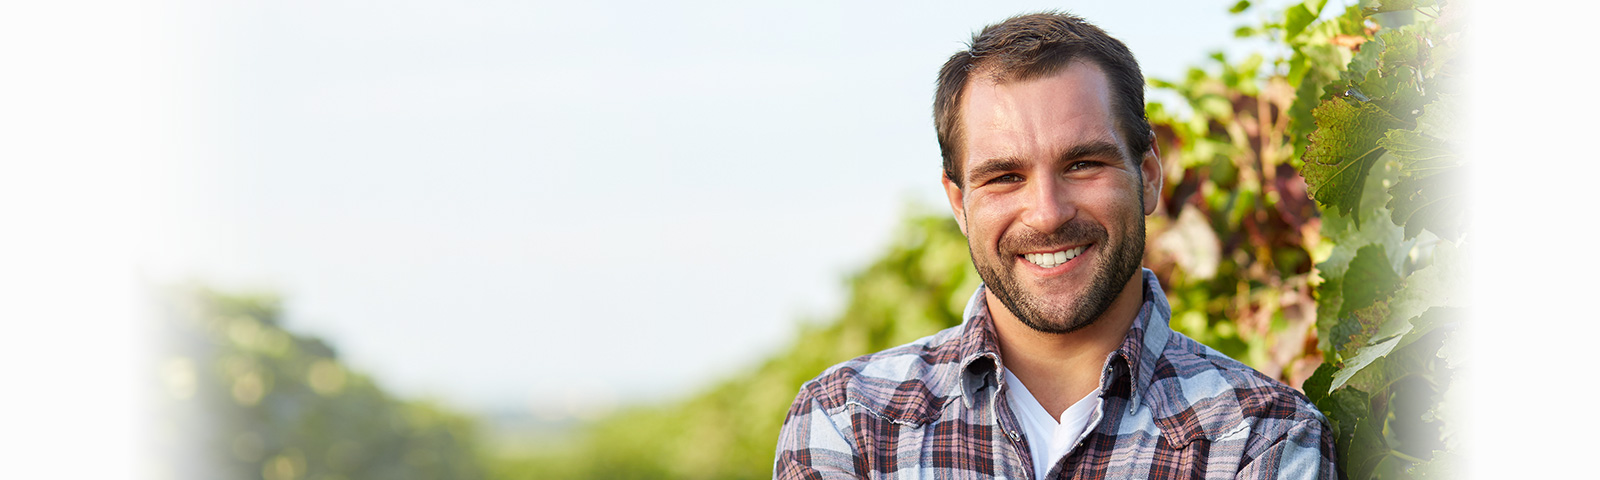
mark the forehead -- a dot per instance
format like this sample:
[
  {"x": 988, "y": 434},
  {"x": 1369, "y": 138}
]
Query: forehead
[{"x": 1038, "y": 118}]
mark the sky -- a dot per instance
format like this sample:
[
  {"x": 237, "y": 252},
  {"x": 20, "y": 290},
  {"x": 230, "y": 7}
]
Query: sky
[
  {"x": 470, "y": 207},
  {"x": 567, "y": 206}
]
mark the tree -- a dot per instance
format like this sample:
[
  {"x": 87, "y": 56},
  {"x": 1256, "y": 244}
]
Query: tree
[{"x": 243, "y": 398}]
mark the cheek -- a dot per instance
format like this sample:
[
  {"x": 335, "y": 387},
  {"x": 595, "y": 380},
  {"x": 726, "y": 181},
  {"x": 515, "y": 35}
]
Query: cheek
[
  {"x": 1117, "y": 195},
  {"x": 987, "y": 220}
]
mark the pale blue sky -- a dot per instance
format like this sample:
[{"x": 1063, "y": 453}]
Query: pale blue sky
[{"x": 510, "y": 204}]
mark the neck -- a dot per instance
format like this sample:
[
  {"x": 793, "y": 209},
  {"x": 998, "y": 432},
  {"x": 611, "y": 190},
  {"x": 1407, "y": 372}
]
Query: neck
[{"x": 1060, "y": 368}]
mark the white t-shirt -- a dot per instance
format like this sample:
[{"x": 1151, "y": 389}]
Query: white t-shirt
[{"x": 1049, "y": 437}]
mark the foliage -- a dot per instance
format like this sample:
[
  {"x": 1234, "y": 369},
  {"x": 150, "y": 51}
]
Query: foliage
[
  {"x": 243, "y": 398},
  {"x": 1233, "y": 237},
  {"x": 1380, "y": 158}
]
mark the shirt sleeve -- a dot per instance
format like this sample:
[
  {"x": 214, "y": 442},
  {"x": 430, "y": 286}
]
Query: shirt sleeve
[
  {"x": 811, "y": 446},
  {"x": 1305, "y": 452}
]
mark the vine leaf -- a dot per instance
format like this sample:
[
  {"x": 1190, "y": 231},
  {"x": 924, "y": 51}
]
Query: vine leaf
[
  {"x": 1365, "y": 357},
  {"x": 1342, "y": 151},
  {"x": 1427, "y": 195},
  {"x": 1331, "y": 332},
  {"x": 1360, "y": 327},
  {"x": 1429, "y": 321},
  {"x": 1376, "y": 228},
  {"x": 1419, "y": 152},
  {"x": 1368, "y": 279},
  {"x": 1432, "y": 203},
  {"x": 1320, "y": 384},
  {"x": 1431, "y": 286},
  {"x": 1360, "y": 431},
  {"x": 1299, "y": 16}
]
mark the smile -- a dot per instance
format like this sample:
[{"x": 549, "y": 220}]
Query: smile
[{"x": 1053, "y": 259}]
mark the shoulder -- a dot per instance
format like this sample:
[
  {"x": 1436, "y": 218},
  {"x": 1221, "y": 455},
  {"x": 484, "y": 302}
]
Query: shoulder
[
  {"x": 908, "y": 384},
  {"x": 1202, "y": 393}
]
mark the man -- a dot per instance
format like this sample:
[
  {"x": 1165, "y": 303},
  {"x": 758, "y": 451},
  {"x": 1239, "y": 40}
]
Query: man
[{"x": 1064, "y": 366}]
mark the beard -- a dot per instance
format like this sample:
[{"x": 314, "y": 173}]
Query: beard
[{"x": 1117, "y": 262}]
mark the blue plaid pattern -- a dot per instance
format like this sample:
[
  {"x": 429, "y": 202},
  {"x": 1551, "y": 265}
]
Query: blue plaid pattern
[{"x": 1170, "y": 408}]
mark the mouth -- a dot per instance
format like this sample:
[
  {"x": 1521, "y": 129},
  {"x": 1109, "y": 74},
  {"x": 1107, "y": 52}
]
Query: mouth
[{"x": 1055, "y": 258}]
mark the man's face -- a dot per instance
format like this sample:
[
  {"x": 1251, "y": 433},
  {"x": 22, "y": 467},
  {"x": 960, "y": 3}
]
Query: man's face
[{"x": 1047, "y": 178}]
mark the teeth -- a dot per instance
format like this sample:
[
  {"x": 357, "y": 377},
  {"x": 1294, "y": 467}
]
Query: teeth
[{"x": 1051, "y": 260}]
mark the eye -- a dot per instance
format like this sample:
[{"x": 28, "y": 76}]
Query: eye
[
  {"x": 1007, "y": 178},
  {"x": 1083, "y": 165}
]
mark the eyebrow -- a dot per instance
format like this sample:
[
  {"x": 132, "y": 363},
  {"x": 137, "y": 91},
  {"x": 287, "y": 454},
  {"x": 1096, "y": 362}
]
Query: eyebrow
[
  {"x": 994, "y": 165},
  {"x": 1077, "y": 152},
  {"x": 1092, "y": 150}
]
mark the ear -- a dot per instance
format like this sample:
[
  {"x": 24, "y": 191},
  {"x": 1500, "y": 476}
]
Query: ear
[
  {"x": 1150, "y": 167},
  {"x": 956, "y": 197}
]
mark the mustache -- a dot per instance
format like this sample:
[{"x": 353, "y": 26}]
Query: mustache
[{"x": 1074, "y": 232}]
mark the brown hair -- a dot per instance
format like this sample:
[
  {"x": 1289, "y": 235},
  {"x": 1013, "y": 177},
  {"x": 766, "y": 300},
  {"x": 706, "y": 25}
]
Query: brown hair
[{"x": 1030, "y": 46}]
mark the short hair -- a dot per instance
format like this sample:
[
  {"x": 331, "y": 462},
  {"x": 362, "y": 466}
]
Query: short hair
[{"x": 1031, "y": 46}]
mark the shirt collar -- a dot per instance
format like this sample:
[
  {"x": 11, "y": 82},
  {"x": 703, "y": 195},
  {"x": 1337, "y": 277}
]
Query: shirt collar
[
  {"x": 1141, "y": 347},
  {"x": 979, "y": 349}
]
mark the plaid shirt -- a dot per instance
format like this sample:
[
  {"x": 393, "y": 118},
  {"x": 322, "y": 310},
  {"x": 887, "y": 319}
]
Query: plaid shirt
[{"x": 1169, "y": 407}]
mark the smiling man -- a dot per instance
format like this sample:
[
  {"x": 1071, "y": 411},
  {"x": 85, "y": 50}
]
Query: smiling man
[{"x": 1064, "y": 366}]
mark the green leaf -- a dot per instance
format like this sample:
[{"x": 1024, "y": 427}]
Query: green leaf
[
  {"x": 1319, "y": 66},
  {"x": 1367, "y": 449},
  {"x": 1357, "y": 436},
  {"x": 1365, "y": 357},
  {"x": 1360, "y": 326},
  {"x": 1296, "y": 20},
  {"x": 1428, "y": 195},
  {"x": 1320, "y": 384},
  {"x": 1414, "y": 355},
  {"x": 1434, "y": 203},
  {"x": 1342, "y": 336},
  {"x": 1385, "y": 72},
  {"x": 1332, "y": 334},
  {"x": 1393, "y": 82},
  {"x": 1401, "y": 47},
  {"x": 1392, "y": 327},
  {"x": 1368, "y": 279},
  {"x": 1391, "y": 357},
  {"x": 1344, "y": 410},
  {"x": 1364, "y": 61},
  {"x": 1418, "y": 152},
  {"x": 1426, "y": 166},
  {"x": 1432, "y": 286},
  {"x": 1442, "y": 118},
  {"x": 1240, "y": 7},
  {"x": 1342, "y": 151},
  {"x": 1376, "y": 229},
  {"x": 1429, "y": 321}
]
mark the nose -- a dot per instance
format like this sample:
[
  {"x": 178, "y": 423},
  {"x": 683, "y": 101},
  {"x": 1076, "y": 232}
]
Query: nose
[{"x": 1049, "y": 204}]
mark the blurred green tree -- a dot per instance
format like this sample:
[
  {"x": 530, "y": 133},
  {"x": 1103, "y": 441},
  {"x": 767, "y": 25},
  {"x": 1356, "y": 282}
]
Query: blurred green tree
[{"x": 241, "y": 398}]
